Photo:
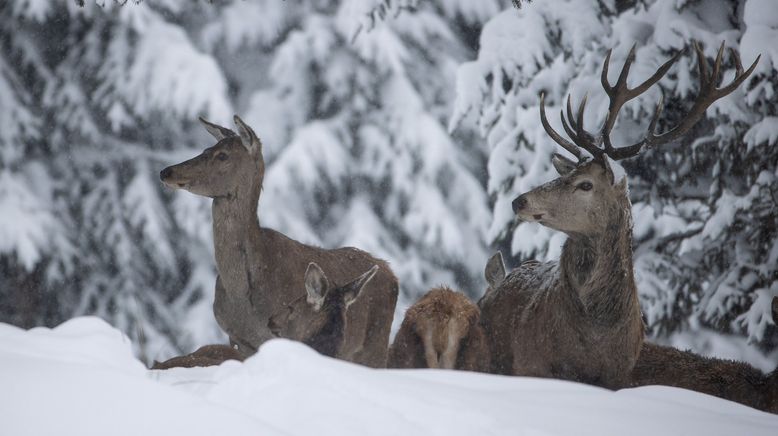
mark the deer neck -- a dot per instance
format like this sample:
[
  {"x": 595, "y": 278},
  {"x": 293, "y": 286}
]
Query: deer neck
[
  {"x": 329, "y": 339},
  {"x": 235, "y": 227},
  {"x": 598, "y": 268}
]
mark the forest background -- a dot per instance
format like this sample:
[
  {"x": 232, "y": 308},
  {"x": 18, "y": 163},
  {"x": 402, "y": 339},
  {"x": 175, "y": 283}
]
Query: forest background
[{"x": 402, "y": 127}]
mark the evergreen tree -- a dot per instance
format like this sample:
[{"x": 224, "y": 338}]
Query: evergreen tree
[{"x": 350, "y": 104}]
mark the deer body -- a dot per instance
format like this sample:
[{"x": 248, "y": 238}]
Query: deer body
[
  {"x": 261, "y": 270},
  {"x": 727, "y": 379},
  {"x": 441, "y": 330}
]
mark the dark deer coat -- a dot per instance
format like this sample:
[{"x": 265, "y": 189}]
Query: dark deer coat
[{"x": 727, "y": 379}]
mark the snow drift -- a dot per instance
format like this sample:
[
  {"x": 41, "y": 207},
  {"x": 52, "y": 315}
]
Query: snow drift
[{"x": 81, "y": 378}]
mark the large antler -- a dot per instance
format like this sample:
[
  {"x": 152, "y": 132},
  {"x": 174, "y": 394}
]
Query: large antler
[{"x": 620, "y": 93}]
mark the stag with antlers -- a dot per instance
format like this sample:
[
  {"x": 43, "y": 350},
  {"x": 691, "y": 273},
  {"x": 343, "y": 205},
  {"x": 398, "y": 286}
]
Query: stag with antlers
[{"x": 579, "y": 318}]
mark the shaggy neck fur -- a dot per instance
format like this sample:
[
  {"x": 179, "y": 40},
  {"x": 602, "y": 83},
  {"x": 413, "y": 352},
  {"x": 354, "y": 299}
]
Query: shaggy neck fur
[{"x": 598, "y": 268}]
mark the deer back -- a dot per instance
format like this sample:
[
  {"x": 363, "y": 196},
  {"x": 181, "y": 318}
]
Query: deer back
[
  {"x": 727, "y": 379},
  {"x": 441, "y": 330}
]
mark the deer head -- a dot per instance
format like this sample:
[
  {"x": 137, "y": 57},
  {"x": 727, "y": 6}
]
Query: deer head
[
  {"x": 308, "y": 315},
  {"x": 232, "y": 167},
  {"x": 586, "y": 193}
]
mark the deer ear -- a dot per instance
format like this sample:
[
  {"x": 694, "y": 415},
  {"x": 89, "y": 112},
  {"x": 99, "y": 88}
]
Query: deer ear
[
  {"x": 563, "y": 165},
  {"x": 248, "y": 137},
  {"x": 316, "y": 285},
  {"x": 216, "y": 130},
  {"x": 351, "y": 291},
  {"x": 494, "y": 271},
  {"x": 608, "y": 170}
]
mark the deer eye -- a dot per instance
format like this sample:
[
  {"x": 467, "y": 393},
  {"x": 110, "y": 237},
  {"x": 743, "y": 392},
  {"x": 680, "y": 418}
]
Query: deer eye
[
  {"x": 585, "y": 186},
  {"x": 221, "y": 155}
]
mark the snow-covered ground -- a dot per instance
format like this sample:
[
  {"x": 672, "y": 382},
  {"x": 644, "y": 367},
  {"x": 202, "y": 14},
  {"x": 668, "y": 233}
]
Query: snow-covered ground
[{"x": 82, "y": 379}]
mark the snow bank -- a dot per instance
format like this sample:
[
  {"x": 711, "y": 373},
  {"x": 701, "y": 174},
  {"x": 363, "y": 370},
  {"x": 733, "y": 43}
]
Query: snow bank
[{"x": 80, "y": 378}]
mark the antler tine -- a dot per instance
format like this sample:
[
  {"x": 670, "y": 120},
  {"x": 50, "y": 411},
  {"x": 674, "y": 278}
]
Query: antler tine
[
  {"x": 570, "y": 116},
  {"x": 621, "y": 82},
  {"x": 740, "y": 76},
  {"x": 579, "y": 118},
  {"x": 714, "y": 76},
  {"x": 570, "y": 132},
  {"x": 604, "y": 74},
  {"x": 567, "y": 145},
  {"x": 702, "y": 64}
]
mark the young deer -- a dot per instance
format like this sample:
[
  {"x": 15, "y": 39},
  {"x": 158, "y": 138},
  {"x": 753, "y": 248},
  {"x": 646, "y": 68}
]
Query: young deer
[
  {"x": 207, "y": 355},
  {"x": 318, "y": 319},
  {"x": 261, "y": 270},
  {"x": 579, "y": 318},
  {"x": 441, "y": 330}
]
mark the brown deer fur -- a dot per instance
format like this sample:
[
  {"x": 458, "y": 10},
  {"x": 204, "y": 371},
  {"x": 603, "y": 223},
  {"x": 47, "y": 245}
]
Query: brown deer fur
[
  {"x": 728, "y": 379},
  {"x": 579, "y": 318},
  {"x": 261, "y": 270},
  {"x": 319, "y": 318},
  {"x": 207, "y": 355},
  {"x": 441, "y": 330}
]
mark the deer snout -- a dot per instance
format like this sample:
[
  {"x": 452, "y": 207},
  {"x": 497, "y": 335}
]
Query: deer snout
[
  {"x": 166, "y": 173},
  {"x": 519, "y": 203},
  {"x": 172, "y": 179}
]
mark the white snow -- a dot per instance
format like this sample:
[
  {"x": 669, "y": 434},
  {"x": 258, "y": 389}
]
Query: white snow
[{"x": 81, "y": 378}]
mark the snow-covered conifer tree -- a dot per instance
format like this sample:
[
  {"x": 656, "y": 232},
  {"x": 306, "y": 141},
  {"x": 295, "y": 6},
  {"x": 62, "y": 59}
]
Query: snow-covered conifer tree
[{"x": 350, "y": 102}]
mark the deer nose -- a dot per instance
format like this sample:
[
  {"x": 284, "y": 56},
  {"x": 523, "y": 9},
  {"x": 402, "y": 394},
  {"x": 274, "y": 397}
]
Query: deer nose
[
  {"x": 519, "y": 203},
  {"x": 164, "y": 174}
]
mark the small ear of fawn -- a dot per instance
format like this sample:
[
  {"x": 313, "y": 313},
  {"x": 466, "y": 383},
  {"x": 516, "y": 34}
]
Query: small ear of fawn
[
  {"x": 579, "y": 319},
  {"x": 208, "y": 355},
  {"x": 441, "y": 330},
  {"x": 727, "y": 379},
  {"x": 318, "y": 319}
]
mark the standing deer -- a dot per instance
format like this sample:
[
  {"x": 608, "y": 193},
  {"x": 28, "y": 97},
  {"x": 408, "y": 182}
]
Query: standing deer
[
  {"x": 207, "y": 355},
  {"x": 318, "y": 318},
  {"x": 579, "y": 318},
  {"x": 441, "y": 330},
  {"x": 261, "y": 270}
]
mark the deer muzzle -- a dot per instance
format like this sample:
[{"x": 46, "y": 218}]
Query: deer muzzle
[
  {"x": 169, "y": 178},
  {"x": 519, "y": 203}
]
